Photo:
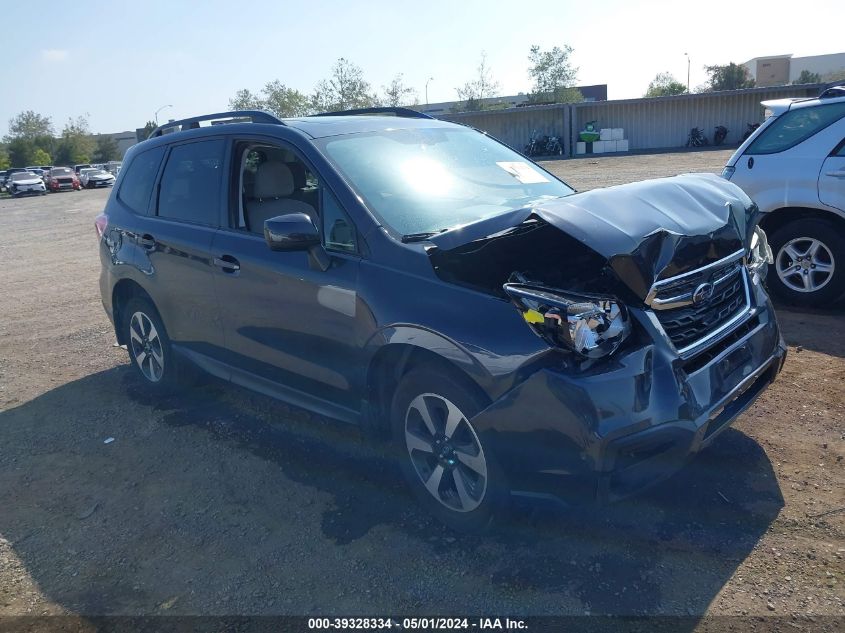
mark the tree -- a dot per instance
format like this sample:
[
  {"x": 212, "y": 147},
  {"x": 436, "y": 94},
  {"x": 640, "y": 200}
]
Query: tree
[
  {"x": 553, "y": 75},
  {"x": 806, "y": 77},
  {"x": 473, "y": 93},
  {"x": 142, "y": 134},
  {"x": 28, "y": 132},
  {"x": 40, "y": 157},
  {"x": 275, "y": 97},
  {"x": 283, "y": 101},
  {"x": 345, "y": 89},
  {"x": 730, "y": 77},
  {"x": 398, "y": 94},
  {"x": 106, "y": 149},
  {"x": 244, "y": 99},
  {"x": 75, "y": 145},
  {"x": 838, "y": 75},
  {"x": 30, "y": 125},
  {"x": 664, "y": 85},
  {"x": 5, "y": 163},
  {"x": 21, "y": 152}
]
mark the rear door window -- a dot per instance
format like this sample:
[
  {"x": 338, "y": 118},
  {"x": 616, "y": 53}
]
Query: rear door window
[
  {"x": 138, "y": 181},
  {"x": 191, "y": 182},
  {"x": 794, "y": 127}
]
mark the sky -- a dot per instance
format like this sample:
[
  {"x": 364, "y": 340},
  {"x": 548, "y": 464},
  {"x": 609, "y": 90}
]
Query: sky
[{"x": 118, "y": 62}]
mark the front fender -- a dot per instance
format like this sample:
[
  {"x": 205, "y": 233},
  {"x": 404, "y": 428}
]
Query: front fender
[{"x": 417, "y": 337}]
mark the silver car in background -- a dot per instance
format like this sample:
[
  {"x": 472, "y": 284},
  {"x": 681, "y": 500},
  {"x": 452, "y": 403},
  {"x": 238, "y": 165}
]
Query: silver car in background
[
  {"x": 26, "y": 183},
  {"x": 793, "y": 167},
  {"x": 92, "y": 177}
]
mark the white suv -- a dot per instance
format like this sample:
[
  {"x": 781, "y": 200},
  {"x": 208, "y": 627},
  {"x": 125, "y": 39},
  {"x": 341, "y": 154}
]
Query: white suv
[{"x": 793, "y": 167}]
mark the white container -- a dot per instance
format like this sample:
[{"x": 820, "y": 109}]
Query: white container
[
  {"x": 617, "y": 134},
  {"x": 598, "y": 147},
  {"x": 605, "y": 134},
  {"x": 622, "y": 146},
  {"x": 580, "y": 147}
]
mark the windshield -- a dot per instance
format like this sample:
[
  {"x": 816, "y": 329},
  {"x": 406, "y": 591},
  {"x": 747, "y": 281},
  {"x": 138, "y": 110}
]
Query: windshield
[
  {"x": 62, "y": 171},
  {"x": 426, "y": 180},
  {"x": 22, "y": 175}
]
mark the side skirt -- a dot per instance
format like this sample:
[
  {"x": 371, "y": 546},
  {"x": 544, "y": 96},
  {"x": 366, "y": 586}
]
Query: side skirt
[{"x": 270, "y": 388}]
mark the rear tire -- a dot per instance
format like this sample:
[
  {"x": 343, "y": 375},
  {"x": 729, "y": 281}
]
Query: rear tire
[
  {"x": 150, "y": 351},
  {"x": 453, "y": 475},
  {"x": 809, "y": 266}
]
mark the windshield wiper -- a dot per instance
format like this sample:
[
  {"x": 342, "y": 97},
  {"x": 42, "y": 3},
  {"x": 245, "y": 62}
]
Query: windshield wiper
[{"x": 421, "y": 237}]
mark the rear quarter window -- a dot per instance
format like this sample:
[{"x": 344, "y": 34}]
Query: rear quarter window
[
  {"x": 794, "y": 127},
  {"x": 191, "y": 182},
  {"x": 139, "y": 179}
]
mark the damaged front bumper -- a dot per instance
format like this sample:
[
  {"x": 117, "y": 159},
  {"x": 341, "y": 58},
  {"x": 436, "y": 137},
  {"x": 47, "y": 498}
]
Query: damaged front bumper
[{"x": 600, "y": 434}]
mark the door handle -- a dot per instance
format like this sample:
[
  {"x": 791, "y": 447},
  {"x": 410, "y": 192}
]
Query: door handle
[
  {"x": 227, "y": 263},
  {"x": 147, "y": 241},
  {"x": 836, "y": 174}
]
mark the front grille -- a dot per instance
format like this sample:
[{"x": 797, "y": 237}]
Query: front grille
[
  {"x": 687, "y": 321},
  {"x": 685, "y": 285},
  {"x": 64, "y": 181}
]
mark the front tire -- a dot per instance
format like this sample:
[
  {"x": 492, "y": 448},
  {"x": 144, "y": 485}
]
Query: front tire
[
  {"x": 450, "y": 471},
  {"x": 809, "y": 266},
  {"x": 149, "y": 347}
]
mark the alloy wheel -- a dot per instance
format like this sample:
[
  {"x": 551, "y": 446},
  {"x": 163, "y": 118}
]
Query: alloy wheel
[
  {"x": 146, "y": 346},
  {"x": 805, "y": 264},
  {"x": 445, "y": 452}
]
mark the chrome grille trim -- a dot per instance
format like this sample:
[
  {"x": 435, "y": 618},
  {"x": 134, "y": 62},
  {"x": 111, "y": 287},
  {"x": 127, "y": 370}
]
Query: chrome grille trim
[
  {"x": 652, "y": 301},
  {"x": 742, "y": 313}
]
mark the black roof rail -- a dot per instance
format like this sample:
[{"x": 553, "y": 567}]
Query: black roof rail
[
  {"x": 833, "y": 91},
  {"x": 395, "y": 111},
  {"x": 256, "y": 116}
]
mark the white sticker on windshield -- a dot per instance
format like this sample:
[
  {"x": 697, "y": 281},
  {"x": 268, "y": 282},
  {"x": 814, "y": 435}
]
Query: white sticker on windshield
[{"x": 523, "y": 172}]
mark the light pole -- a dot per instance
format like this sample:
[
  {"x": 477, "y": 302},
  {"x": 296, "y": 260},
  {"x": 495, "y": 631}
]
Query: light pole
[
  {"x": 160, "y": 109},
  {"x": 688, "y": 63},
  {"x": 426, "y": 88}
]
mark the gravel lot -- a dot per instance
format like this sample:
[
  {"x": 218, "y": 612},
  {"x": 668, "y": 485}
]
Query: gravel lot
[{"x": 224, "y": 502}]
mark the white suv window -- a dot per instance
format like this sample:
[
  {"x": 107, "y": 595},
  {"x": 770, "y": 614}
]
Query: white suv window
[{"x": 795, "y": 126}]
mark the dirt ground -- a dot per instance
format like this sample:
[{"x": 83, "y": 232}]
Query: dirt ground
[{"x": 224, "y": 502}]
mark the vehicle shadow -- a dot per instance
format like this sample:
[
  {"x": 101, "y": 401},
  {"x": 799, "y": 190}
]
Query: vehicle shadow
[
  {"x": 814, "y": 329},
  {"x": 234, "y": 503}
]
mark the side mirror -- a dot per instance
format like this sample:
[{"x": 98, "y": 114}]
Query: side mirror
[{"x": 291, "y": 232}]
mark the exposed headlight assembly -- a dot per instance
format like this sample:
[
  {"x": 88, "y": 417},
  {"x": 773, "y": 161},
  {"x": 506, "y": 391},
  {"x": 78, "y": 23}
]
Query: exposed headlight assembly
[
  {"x": 759, "y": 255},
  {"x": 590, "y": 326}
]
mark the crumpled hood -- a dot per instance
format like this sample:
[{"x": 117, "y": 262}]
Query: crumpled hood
[
  {"x": 644, "y": 231},
  {"x": 655, "y": 229}
]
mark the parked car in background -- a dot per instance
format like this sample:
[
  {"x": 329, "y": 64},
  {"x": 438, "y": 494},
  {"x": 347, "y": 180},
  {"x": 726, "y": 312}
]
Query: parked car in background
[
  {"x": 26, "y": 183},
  {"x": 793, "y": 167},
  {"x": 113, "y": 166},
  {"x": 62, "y": 179},
  {"x": 8, "y": 176},
  {"x": 78, "y": 168},
  {"x": 423, "y": 280},
  {"x": 93, "y": 177},
  {"x": 2, "y": 180}
]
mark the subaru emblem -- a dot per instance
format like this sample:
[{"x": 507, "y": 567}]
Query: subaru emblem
[{"x": 702, "y": 293}]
